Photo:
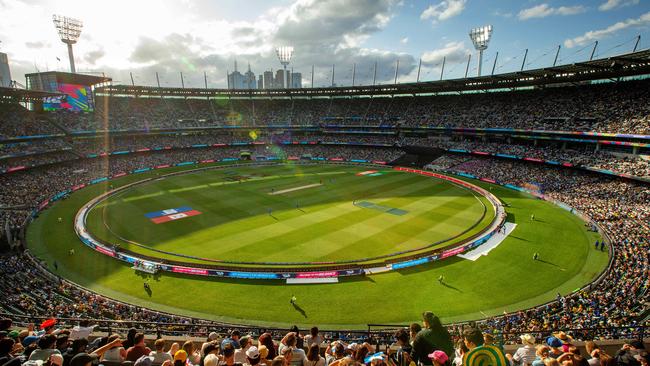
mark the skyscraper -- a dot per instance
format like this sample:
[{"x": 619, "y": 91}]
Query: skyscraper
[
  {"x": 280, "y": 79},
  {"x": 249, "y": 79},
  {"x": 5, "y": 75},
  {"x": 268, "y": 80},
  {"x": 296, "y": 80}
]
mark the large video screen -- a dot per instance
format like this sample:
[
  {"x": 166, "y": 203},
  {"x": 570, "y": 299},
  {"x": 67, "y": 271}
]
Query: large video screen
[{"x": 79, "y": 99}]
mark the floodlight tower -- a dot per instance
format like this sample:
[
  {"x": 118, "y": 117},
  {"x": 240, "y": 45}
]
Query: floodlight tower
[
  {"x": 69, "y": 31},
  {"x": 481, "y": 37},
  {"x": 284, "y": 55}
]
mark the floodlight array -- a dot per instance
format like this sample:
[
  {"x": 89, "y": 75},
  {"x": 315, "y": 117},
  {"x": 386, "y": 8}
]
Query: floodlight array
[
  {"x": 481, "y": 37},
  {"x": 284, "y": 54},
  {"x": 69, "y": 28}
]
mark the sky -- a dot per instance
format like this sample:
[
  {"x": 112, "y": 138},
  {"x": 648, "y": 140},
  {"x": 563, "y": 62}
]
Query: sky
[{"x": 121, "y": 38}]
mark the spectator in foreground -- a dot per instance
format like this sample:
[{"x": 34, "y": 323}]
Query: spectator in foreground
[
  {"x": 116, "y": 353},
  {"x": 313, "y": 356},
  {"x": 297, "y": 354},
  {"x": 138, "y": 350},
  {"x": 245, "y": 343},
  {"x": 313, "y": 337},
  {"x": 439, "y": 358},
  {"x": 266, "y": 340},
  {"x": 45, "y": 349},
  {"x": 229, "y": 355},
  {"x": 264, "y": 355},
  {"x": 541, "y": 353},
  {"x": 524, "y": 355},
  {"x": 252, "y": 356},
  {"x": 402, "y": 356},
  {"x": 433, "y": 337},
  {"x": 159, "y": 355},
  {"x": 480, "y": 354}
]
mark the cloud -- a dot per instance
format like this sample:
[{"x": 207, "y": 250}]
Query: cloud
[
  {"x": 36, "y": 45},
  {"x": 444, "y": 10},
  {"x": 591, "y": 36},
  {"x": 452, "y": 51},
  {"x": 502, "y": 14},
  {"x": 174, "y": 38},
  {"x": 544, "y": 10},
  {"x": 92, "y": 56},
  {"x": 404, "y": 40},
  {"x": 613, "y": 4}
]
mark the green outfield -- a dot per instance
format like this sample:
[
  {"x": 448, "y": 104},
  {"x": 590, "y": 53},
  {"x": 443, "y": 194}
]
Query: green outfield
[
  {"x": 291, "y": 213},
  {"x": 299, "y": 213}
]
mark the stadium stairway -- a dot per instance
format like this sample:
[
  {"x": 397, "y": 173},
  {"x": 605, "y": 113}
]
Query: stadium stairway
[{"x": 417, "y": 156}]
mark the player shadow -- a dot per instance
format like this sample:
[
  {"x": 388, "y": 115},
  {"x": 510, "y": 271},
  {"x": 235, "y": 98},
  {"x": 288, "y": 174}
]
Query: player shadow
[
  {"x": 451, "y": 287},
  {"x": 301, "y": 210},
  {"x": 297, "y": 308},
  {"x": 148, "y": 291},
  {"x": 550, "y": 264},
  {"x": 518, "y": 238},
  {"x": 276, "y": 219}
]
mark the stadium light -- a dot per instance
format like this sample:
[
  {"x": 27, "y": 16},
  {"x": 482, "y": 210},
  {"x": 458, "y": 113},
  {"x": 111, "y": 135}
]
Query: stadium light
[
  {"x": 480, "y": 38},
  {"x": 69, "y": 31},
  {"x": 284, "y": 54}
]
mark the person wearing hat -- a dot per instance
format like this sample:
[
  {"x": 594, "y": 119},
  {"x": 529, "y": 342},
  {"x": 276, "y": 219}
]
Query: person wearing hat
[
  {"x": 524, "y": 355},
  {"x": 632, "y": 354},
  {"x": 565, "y": 339},
  {"x": 233, "y": 338},
  {"x": 556, "y": 347},
  {"x": 252, "y": 356},
  {"x": 334, "y": 352},
  {"x": 264, "y": 355},
  {"x": 433, "y": 337},
  {"x": 212, "y": 337},
  {"x": 180, "y": 357},
  {"x": 480, "y": 354},
  {"x": 439, "y": 358}
]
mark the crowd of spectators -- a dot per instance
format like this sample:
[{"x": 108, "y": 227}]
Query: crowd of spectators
[
  {"x": 621, "y": 208},
  {"x": 633, "y": 165},
  {"x": 606, "y": 107},
  {"x": 52, "y": 344}
]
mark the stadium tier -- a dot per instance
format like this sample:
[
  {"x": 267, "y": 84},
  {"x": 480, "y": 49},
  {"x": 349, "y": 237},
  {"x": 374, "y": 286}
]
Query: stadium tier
[{"x": 524, "y": 212}]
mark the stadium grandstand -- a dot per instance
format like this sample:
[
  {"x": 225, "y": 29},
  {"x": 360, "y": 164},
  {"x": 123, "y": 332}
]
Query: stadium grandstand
[{"x": 499, "y": 219}]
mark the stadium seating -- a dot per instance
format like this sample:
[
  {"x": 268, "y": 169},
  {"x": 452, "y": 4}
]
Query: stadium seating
[{"x": 621, "y": 206}]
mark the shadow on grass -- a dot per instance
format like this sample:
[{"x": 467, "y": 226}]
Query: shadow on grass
[
  {"x": 518, "y": 238},
  {"x": 550, "y": 264},
  {"x": 451, "y": 287},
  {"x": 297, "y": 308}
]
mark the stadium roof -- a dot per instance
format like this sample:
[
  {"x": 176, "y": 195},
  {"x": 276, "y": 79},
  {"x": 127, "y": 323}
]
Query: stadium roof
[
  {"x": 24, "y": 95},
  {"x": 631, "y": 64},
  {"x": 71, "y": 78}
]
